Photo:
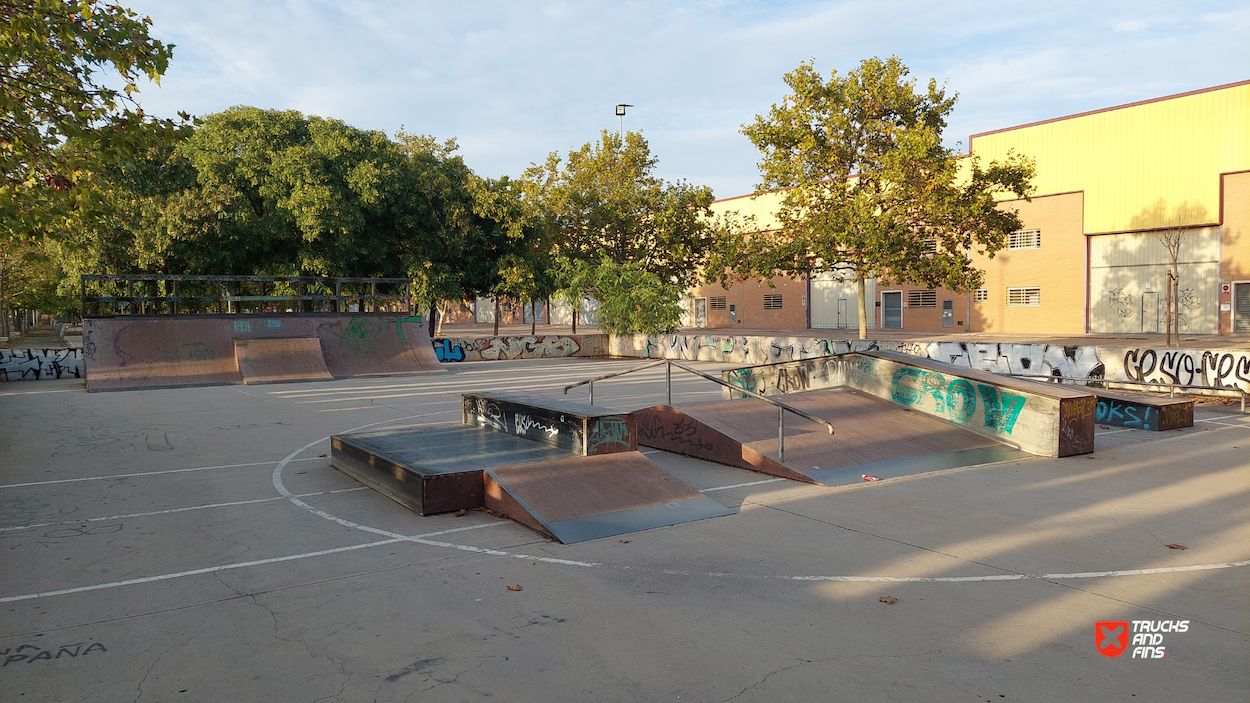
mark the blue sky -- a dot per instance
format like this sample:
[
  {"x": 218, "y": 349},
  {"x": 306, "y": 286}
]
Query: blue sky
[{"x": 513, "y": 81}]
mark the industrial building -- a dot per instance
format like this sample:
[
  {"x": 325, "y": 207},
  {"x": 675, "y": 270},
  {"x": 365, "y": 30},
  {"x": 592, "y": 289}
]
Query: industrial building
[{"x": 1089, "y": 258}]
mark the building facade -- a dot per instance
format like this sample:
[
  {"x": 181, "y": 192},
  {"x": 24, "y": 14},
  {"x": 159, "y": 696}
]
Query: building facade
[{"x": 1113, "y": 186}]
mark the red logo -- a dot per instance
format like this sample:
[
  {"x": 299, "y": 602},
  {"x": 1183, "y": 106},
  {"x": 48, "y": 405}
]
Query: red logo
[{"x": 1111, "y": 637}]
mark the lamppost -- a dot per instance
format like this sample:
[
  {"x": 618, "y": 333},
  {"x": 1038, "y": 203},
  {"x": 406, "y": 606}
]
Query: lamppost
[{"x": 620, "y": 112}]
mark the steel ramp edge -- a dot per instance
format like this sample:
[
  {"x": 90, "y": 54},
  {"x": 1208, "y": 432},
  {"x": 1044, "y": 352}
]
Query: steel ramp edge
[
  {"x": 504, "y": 497},
  {"x": 924, "y": 463},
  {"x": 668, "y": 428}
]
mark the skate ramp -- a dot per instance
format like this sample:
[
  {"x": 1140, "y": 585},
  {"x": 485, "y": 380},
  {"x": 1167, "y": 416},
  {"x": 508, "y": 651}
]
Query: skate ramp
[
  {"x": 874, "y": 436},
  {"x": 281, "y": 360},
  {"x": 132, "y": 352}
]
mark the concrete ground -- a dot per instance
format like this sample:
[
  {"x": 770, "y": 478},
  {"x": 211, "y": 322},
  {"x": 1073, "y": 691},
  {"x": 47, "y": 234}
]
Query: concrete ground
[{"x": 196, "y": 545}]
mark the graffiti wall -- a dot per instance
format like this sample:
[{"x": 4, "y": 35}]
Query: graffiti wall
[
  {"x": 1226, "y": 368},
  {"x": 572, "y": 426},
  {"x": 454, "y": 349},
  {"x": 37, "y": 364}
]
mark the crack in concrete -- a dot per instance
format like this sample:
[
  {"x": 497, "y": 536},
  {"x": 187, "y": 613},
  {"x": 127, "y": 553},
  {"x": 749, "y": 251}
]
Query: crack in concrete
[{"x": 823, "y": 661}]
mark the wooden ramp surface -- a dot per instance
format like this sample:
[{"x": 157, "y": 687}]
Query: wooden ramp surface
[
  {"x": 281, "y": 360},
  {"x": 873, "y": 436},
  {"x": 582, "y": 498},
  {"x": 440, "y": 468}
]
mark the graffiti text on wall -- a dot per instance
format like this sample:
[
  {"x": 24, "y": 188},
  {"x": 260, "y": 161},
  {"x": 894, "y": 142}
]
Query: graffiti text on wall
[
  {"x": 1205, "y": 368},
  {"x": 35, "y": 364},
  {"x": 956, "y": 399}
]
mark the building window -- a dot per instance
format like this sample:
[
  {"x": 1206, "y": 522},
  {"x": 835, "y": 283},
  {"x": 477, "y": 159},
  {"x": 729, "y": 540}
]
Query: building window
[
  {"x": 716, "y": 303},
  {"x": 922, "y": 298},
  {"x": 1025, "y": 239},
  {"x": 1024, "y": 297},
  {"x": 981, "y": 295},
  {"x": 772, "y": 302}
]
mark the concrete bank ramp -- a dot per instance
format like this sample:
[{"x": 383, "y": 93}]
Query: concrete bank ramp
[
  {"x": 1041, "y": 418},
  {"x": 873, "y": 436},
  {"x": 509, "y": 456},
  {"x": 133, "y": 352}
]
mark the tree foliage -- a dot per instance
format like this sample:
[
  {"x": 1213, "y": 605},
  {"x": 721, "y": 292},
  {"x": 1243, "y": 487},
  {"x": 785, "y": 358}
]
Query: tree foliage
[
  {"x": 606, "y": 198},
  {"x": 631, "y": 299},
  {"x": 57, "y": 61},
  {"x": 870, "y": 190}
]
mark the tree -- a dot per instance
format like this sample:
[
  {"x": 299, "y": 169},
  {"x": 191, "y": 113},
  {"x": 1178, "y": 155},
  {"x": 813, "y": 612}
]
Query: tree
[
  {"x": 632, "y": 300},
  {"x": 870, "y": 190},
  {"x": 56, "y": 58},
  {"x": 606, "y": 198},
  {"x": 1172, "y": 239}
]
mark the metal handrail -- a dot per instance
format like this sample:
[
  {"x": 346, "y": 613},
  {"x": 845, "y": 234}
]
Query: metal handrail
[
  {"x": 1059, "y": 380},
  {"x": 668, "y": 367}
]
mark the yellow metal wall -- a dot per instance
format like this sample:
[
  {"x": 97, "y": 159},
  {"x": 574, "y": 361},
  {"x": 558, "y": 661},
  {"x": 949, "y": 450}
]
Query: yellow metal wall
[{"x": 1150, "y": 165}]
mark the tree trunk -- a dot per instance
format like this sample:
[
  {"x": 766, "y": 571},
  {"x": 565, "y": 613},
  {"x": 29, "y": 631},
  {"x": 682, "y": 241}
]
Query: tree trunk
[
  {"x": 438, "y": 330},
  {"x": 433, "y": 315},
  {"x": 863, "y": 305},
  {"x": 1167, "y": 319},
  {"x": 533, "y": 318},
  {"x": 496, "y": 301},
  {"x": 577, "y": 308}
]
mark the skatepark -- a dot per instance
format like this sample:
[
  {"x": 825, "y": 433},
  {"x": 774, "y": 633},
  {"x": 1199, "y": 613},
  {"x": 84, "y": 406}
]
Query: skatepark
[{"x": 212, "y": 542}]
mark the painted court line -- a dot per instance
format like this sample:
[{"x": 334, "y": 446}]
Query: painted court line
[
  {"x": 237, "y": 565},
  {"x": 741, "y": 485},
  {"x": 1021, "y": 577},
  {"x": 148, "y": 473},
  {"x": 176, "y": 510}
]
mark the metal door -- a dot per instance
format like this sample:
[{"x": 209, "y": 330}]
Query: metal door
[
  {"x": 892, "y": 310},
  {"x": 700, "y": 312},
  {"x": 842, "y": 314},
  {"x": 948, "y": 313},
  {"x": 1241, "y": 307},
  {"x": 1150, "y": 321}
]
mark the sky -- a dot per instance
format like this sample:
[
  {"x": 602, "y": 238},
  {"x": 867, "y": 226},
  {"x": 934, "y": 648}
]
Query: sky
[{"x": 512, "y": 81}]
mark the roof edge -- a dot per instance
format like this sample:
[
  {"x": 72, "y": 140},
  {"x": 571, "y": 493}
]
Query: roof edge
[{"x": 1109, "y": 109}]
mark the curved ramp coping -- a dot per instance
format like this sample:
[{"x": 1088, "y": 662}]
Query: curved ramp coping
[
  {"x": 1041, "y": 418},
  {"x": 589, "y": 497},
  {"x": 874, "y": 437},
  {"x": 134, "y": 352},
  {"x": 280, "y": 360},
  {"x": 574, "y": 426}
]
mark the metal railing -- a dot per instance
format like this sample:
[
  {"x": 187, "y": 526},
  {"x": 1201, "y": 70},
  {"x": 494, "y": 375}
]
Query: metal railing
[
  {"x": 1061, "y": 380},
  {"x": 668, "y": 396},
  {"x": 263, "y": 293}
]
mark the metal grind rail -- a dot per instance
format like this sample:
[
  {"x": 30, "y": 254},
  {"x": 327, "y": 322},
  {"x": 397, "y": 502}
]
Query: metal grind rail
[
  {"x": 1062, "y": 380},
  {"x": 668, "y": 365}
]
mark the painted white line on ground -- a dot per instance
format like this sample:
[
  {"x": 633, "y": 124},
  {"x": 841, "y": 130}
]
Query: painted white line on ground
[
  {"x": 741, "y": 485},
  {"x": 176, "y": 510},
  {"x": 1100, "y": 433},
  {"x": 148, "y": 473},
  {"x": 67, "y": 390},
  {"x": 281, "y": 488},
  {"x": 237, "y": 565},
  {"x": 1020, "y": 577},
  {"x": 1226, "y": 424},
  {"x": 1221, "y": 417}
]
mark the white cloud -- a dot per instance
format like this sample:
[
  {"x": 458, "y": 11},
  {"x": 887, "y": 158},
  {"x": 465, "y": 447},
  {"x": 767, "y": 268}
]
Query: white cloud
[{"x": 516, "y": 80}]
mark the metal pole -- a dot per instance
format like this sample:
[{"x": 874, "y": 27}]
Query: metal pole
[
  {"x": 781, "y": 435},
  {"x": 592, "y": 392},
  {"x": 668, "y": 384}
]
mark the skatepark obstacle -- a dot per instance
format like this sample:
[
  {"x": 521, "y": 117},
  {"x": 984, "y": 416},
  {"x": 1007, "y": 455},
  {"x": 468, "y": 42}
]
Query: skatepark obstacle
[
  {"x": 136, "y": 352},
  {"x": 567, "y": 469}
]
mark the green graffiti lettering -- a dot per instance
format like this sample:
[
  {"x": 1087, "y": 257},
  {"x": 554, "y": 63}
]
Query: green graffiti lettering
[
  {"x": 1001, "y": 409},
  {"x": 962, "y": 400},
  {"x": 903, "y": 385}
]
